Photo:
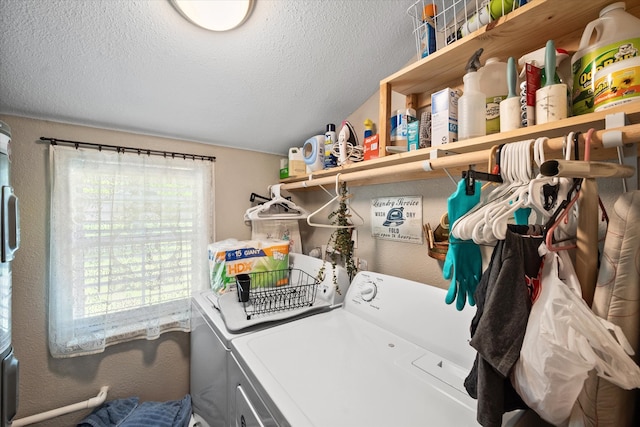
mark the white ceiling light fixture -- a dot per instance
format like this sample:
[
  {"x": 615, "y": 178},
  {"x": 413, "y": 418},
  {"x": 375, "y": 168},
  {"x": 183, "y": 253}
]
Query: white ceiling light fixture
[{"x": 215, "y": 15}]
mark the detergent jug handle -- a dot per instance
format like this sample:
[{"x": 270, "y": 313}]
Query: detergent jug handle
[{"x": 596, "y": 25}]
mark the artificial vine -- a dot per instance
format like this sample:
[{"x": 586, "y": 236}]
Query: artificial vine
[{"x": 340, "y": 239}]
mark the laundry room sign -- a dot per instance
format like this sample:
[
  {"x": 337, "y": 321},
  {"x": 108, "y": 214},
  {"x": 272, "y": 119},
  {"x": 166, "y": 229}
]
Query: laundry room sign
[{"x": 397, "y": 218}]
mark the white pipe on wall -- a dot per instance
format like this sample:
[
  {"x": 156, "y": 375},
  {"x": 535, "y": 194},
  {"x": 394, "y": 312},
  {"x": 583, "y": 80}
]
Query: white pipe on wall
[{"x": 87, "y": 404}]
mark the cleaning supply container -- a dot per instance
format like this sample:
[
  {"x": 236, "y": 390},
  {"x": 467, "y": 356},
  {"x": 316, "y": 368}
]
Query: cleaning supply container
[
  {"x": 472, "y": 103},
  {"x": 330, "y": 161},
  {"x": 313, "y": 153},
  {"x": 297, "y": 167},
  {"x": 428, "y": 31},
  {"x": 617, "y": 38},
  {"x": 617, "y": 84},
  {"x": 493, "y": 83},
  {"x": 536, "y": 79}
]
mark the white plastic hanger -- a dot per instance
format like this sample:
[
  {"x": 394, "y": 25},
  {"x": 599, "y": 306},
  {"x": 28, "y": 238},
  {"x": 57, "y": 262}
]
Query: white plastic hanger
[
  {"x": 531, "y": 196},
  {"x": 265, "y": 211},
  {"x": 337, "y": 197},
  {"x": 476, "y": 225},
  {"x": 536, "y": 187},
  {"x": 498, "y": 213}
]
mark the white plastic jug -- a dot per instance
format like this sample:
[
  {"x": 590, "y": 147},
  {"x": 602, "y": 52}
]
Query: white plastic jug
[
  {"x": 617, "y": 37},
  {"x": 297, "y": 167},
  {"x": 493, "y": 83}
]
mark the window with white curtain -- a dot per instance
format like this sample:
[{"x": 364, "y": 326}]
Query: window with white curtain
[{"x": 128, "y": 246}]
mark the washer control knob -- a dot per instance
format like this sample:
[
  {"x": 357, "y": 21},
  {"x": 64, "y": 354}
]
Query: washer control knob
[{"x": 368, "y": 291}]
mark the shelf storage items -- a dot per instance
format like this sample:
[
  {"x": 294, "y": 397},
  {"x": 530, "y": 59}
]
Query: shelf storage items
[{"x": 520, "y": 31}]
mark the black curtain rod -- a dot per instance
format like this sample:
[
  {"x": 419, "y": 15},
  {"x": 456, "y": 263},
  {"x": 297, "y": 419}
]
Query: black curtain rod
[{"x": 119, "y": 149}]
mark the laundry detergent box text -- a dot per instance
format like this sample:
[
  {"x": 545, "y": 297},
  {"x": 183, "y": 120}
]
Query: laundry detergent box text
[
  {"x": 231, "y": 257},
  {"x": 444, "y": 116},
  {"x": 371, "y": 147}
]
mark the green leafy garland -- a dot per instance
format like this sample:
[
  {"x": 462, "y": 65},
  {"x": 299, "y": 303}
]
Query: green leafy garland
[{"x": 340, "y": 239}]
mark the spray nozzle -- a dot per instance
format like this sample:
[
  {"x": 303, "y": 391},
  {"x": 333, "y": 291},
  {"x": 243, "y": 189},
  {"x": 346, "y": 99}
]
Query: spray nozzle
[{"x": 474, "y": 61}]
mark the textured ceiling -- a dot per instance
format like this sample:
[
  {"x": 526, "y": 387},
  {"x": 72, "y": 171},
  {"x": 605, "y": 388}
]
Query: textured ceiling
[{"x": 138, "y": 65}]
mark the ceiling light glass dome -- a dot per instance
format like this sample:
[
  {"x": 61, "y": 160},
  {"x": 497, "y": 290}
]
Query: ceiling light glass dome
[{"x": 215, "y": 15}]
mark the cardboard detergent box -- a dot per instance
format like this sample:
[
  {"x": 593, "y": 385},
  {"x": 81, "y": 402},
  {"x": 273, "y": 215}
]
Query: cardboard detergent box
[
  {"x": 371, "y": 147},
  {"x": 444, "y": 116},
  {"x": 231, "y": 257}
]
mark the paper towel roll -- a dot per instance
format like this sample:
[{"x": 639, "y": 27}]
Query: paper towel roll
[{"x": 551, "y": 103}]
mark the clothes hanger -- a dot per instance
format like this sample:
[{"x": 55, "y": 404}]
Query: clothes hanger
[
  {"x": 516, "y": 170},
  {"x": 522, "y": 198},
  {"x": 265, "y": 211},
  {"x": 337, "y": 197},
  {"x": 541, "y": 195},
  {"x": 545, "y": 192},
  {"x": 463, "y": 228},
  {"x": 562, "y": 213}
]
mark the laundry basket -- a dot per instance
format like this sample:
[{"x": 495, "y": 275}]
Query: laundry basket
[{"x": 455, "y": 19}]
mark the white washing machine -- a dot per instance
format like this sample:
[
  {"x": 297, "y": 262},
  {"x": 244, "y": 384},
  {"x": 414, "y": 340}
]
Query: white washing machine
[
  {"x": 211, "y": 340},
  {"x": 393, "y": 355}
]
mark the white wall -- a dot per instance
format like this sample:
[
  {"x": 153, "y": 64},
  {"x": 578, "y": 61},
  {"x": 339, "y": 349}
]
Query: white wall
[{"x": 153, "y": 370}]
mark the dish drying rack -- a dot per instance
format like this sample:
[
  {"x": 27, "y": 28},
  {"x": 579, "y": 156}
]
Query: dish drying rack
[
  {"x": 278, "y": 291},
  {"x": 456, "y": 18}
]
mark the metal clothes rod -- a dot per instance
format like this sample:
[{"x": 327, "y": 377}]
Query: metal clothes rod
[
  {"x": 630, "y": 135},
  {"x": 86, "y": 404},
  {"x": 120, "y": 149}
]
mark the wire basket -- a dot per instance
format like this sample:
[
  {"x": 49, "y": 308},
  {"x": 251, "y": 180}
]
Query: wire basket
[
  {"x": 277, "y": 290},
  {"x": 455, "y": 19}
]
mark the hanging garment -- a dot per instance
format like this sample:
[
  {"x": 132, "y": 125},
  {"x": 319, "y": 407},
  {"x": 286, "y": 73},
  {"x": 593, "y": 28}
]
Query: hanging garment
[
  {"x": 616, "y": 299},
  {"x": 563, "y": 342},
  {"x": 497, "y": 330}
]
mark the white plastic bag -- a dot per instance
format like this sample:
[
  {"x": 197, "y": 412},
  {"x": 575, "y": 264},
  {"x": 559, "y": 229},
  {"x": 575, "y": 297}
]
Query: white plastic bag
[{"x": 564, "y": 340}]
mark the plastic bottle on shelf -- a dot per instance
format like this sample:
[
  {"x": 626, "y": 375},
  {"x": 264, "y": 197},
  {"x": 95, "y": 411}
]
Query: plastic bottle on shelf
[
  {"x": 428, "y": 30},
  {"x": 617, "y": 37},
  {"x": 330, "y": 161},
  {"x": 493, "y": 83},
  {"x": 368, "y": 128},
  {"x": 471, "y": 105},
  {"x": 407, "y": 116}
]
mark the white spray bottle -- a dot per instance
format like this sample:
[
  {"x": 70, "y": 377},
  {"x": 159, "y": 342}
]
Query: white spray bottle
[{"x": 471, "y": 105}]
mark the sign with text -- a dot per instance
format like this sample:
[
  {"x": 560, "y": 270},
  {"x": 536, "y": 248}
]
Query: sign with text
[{"x": 397, "y": 218}]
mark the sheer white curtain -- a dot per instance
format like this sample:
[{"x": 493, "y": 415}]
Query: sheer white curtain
[{"x": 128, "y": 246}]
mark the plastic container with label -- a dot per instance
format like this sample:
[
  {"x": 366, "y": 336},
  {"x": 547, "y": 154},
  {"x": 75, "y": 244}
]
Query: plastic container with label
[
  {"x": 297, "y": 167},
  {"x": 472, "y": 103},
  {"x": 617, "y": 84},
  {"x": 330, "y": 160},
  {"x": 493, "y": 83},
  {"x": 617, "y": 38}
]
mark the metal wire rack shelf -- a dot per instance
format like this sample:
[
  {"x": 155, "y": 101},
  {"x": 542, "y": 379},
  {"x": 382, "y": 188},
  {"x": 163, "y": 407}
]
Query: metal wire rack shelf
[
  {"x": 276, "y": 291},
  {"x": 452, "y": 20}
]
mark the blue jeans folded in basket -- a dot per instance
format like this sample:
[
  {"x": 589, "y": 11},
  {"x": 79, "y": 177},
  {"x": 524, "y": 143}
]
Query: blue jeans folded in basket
[{"x": 128, "y": 413}]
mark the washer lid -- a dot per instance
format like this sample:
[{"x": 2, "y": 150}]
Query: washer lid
[{"x": 336, "y": 368}]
